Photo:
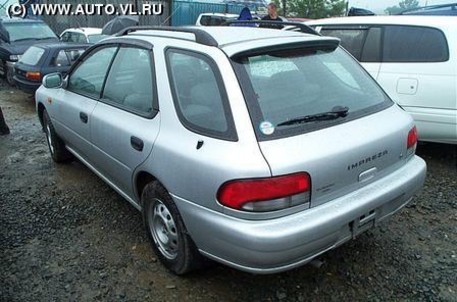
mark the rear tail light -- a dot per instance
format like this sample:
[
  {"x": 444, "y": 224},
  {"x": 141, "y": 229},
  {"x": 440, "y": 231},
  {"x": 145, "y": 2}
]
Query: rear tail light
[
  {"x": 412, "y": 138},
  {"x": 33, "y": 76},
  {"x": 266, "y": 194}
]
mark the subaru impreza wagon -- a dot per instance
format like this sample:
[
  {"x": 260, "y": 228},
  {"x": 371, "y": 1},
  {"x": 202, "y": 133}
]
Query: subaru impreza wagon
[{"x": 256, "y": 148}]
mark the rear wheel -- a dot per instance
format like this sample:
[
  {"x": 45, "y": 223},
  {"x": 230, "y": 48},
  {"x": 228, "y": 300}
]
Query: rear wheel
[
  {"x": 166, "y": 230},
  {"x": 56, "y": 146}
]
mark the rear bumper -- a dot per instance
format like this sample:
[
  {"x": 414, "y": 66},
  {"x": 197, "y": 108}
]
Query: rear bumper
[
  {"x": 26, "y": 86},
  {"x": 275, "y": 245}
]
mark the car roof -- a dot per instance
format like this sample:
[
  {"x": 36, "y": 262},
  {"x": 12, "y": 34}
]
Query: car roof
[
  {"x": 441, "y": 21},
  {"x": 20, "y": 20},
  {"x": 85, "y": 30},
  {"x": 62, "y": 45},
  {"x": 219, "y": 14},
  {"x": 231, "y": 39}
]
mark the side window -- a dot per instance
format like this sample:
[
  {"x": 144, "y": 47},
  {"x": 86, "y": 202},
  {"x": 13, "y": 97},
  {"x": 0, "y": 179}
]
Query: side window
[
  {"x": 61, "y": 59},
  {"x": 351, "y": 39},
  {"x": 372, "y": 47},
  {"x": 65, "y": 37},
  {"x": 130, "y": 82},
  {"x": 414, "y": 44},
  {"x": 80, "y": 38},
  {"x": 199, "y": 96},
  {"x": 87, "y": 79}
]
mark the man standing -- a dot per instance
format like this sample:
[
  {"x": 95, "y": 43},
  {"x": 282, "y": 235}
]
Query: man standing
[
  {"x": 4, "y": 130},
  {"x": 272, "y": 16}
]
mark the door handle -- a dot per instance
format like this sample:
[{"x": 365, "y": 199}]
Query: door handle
[
  {"x": 136, "y": 143},
  {"x": 83, "y": 117}
]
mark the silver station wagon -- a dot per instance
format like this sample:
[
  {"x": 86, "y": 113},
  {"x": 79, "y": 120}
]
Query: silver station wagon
[{"x": 253, "y": 147}]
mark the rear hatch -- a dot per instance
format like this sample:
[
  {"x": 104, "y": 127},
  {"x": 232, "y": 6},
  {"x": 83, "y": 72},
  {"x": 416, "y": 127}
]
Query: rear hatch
[
  {"x": 343, "y": 157},
  {"x": 316, "y": 110}
]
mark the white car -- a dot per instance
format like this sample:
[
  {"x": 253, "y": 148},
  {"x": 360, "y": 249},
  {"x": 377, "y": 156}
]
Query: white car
[
  {"x": 82, "y": 35},
  {"x": 414, "y": 58}
]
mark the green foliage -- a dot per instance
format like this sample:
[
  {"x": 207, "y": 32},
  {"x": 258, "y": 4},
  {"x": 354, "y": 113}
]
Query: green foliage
[{"x": 313, "y": 9}]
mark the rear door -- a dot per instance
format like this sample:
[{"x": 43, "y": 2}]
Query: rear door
[
  {"x": 416, "y": 71},
  {"x": 126, "y": 123}
]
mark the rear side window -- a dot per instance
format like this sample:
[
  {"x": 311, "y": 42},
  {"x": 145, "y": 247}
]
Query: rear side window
[
  {"x": 414, "y": 44},
  {"x": 351, "y": 39},
  {"x": 66, "y": 57},
  {"x": 200, "y": 98},
  {"x": 32, "y": 56}
]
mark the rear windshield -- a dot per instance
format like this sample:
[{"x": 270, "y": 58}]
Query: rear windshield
[
  {"x": 307, "y": 85},
  {"x": 32, "y": 55},
  {"x": 27, "y": 30}
]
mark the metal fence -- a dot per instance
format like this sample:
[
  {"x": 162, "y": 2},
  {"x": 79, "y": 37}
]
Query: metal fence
[
  {"x": 187, "y": 12},
  {"x": 60, "y": 23}
]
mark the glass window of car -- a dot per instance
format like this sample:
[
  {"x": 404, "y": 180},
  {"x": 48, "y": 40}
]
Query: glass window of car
[
  {"x": 61, "y": 59},
  {"x": 65, "y": 37},
  {"x": 130, "y": 81},
  {"x": 32, "y": 55},
  {"x": 200, "y": 98},
  {"x": 96, "y": 38},
  {"x": 88, "y": 77},
  {"x": 79, "y": 38},
  {"x": 28, "y": 30},
  {"x": 66, "y": 57},
  {"x": 305, "y": 82},
  {"x": 414, "y": 44},
  {"x": 351, "y": 39}
]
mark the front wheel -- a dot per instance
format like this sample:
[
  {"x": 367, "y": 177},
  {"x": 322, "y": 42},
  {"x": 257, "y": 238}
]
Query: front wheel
[
  {"x": 56, "y": 146},
  {"x": 166, "y": 230}
]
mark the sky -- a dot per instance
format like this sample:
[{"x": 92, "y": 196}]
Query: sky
[{"x": 378, "y": 6}]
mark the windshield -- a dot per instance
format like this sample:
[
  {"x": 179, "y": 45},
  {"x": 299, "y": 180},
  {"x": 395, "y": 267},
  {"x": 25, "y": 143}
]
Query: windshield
[
  {"x": 96, "y": 38},
  {"x": 307, "y": 85},
  {"x": 32, "y": 55},
  {"x": 28, "y": 30}
]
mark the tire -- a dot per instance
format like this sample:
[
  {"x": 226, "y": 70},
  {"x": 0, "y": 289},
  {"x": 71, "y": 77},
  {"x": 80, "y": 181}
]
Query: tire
[
  {"x": 9, "y": 75},
  {"x": 166, "y": 230},
  {"x": 56, "y": 146}
]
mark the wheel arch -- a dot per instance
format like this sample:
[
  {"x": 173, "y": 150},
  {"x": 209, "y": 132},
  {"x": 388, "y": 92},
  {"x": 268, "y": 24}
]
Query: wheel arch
[
  {"x": 40, "y": 110},
  {"x": 141, "y": 180}
]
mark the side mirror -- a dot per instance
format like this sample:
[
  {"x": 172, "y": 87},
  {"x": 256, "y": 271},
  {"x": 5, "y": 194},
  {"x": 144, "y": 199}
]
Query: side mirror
[{"x": 52, "y": 80}]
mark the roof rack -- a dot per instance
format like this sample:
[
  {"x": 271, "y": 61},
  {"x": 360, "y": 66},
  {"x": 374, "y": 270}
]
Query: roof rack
[
  {"x": 300, "y": 26},
  {"x": 440, "y": 9},
  {"x": 201, "y": 36}
]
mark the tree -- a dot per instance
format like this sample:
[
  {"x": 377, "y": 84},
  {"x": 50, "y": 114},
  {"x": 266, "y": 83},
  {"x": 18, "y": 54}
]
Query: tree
[
  {"x": 315, "y": 9},
  {"x": 402, "y": 6}
]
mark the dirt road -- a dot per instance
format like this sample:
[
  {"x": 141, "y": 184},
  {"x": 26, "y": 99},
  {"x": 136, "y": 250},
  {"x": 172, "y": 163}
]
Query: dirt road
[{"x": 66, "y": 236}]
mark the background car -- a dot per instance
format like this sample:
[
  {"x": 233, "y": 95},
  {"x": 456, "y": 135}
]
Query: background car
[
  {"x": 413, "y": 58},
  {"x": 18, "y": 35},
  {"x": 42, "y": 59},
  {"x": 82, "y": 35}
]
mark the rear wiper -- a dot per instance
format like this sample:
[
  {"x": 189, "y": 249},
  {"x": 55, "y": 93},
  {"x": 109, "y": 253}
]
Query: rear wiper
[{"x": 337, "y": 111}]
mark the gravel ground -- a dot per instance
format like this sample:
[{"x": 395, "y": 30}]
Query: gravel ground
[{"x": 66, "y": 236}]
